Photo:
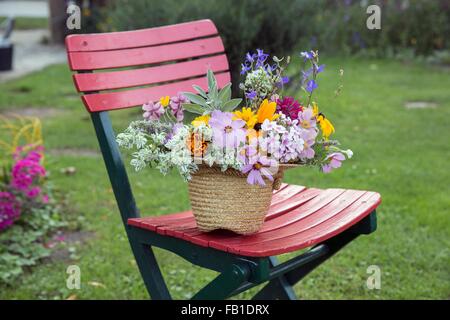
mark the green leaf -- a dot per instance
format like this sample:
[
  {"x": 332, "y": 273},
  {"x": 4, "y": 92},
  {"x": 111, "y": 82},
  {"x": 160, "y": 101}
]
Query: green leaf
[
  {"x": 193, "y": 108},
  {"x": 196, "y": 99},
  {"x": 200, "y": 91},
  {"x": 225, "y": 94},
  {"x": 211, "y": 80},
  {"x": 189, "y": 117},
  {"x": 231, "y": 105}
]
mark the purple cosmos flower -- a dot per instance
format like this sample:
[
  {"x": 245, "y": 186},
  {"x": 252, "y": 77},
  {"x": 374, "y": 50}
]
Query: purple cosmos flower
[
  {"x": 251, "y": 95},
  {"x": 153, "y": 111},
  {"x": 311, "y": 85},
  {"x": 306, "y": 119},
  {"x": 289, "y": 106},
  {"x": 227, "y": 132},
  {"x": 176, "y": 103},
  {"x": 308, "y": 152},
  {"x": 259, "y": 166},
  {"x": 334, "y": 162}
]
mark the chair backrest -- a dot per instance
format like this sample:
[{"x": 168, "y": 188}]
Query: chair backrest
[
  {"x": 161, "y": 61},
  {"x": 125, "y": 69}
]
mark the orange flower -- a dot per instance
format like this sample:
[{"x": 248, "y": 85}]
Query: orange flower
[
  {"x": 196, "y": 144},
  {"x": 267, "y": 111}
]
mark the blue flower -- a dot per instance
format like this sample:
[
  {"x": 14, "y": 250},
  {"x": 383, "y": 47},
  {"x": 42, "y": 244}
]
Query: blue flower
[
  {"x": 310, "y": 86},
  {"x": 306, "y": 74},
  {"x": 261, "y": 55},
  {"x": 251, "y": 95},
  {"x": 320, "y": 68},
  {"x": 250, "y": 58},
  {"x": 307, "y": 55},
  {"x": 245, "y": 68},
  {"x": 285, "y": 80}
]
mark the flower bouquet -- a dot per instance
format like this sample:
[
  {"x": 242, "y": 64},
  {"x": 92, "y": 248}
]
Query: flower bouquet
[{"x": 233, "y": 157}]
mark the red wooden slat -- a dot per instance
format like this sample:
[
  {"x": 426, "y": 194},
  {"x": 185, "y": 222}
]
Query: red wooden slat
[
  {"x": 130, "y": 98},
  {"x": 151, "y": 75},
  {"x": 282, "y": 186},
  {"x": 319, "y": 233},
  {"x": 305, "y": 226},
  {"x": 304, "y": 220},
  {"x": 286, "y": 193},
  {"x": 141, "y": 38},
  {"x": 280, "y": 208},
  {"x": 289, "y": 222},
  {"x": 187, "y": 229},
  {"x": 148, "y": 55},
  {"x": 159, "y": 220}
]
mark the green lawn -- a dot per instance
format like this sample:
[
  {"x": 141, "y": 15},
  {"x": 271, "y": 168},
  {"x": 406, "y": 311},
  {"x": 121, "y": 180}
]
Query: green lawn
[
  {"x": 401, "y": 153},
  {"x": 25, "y": 23}
]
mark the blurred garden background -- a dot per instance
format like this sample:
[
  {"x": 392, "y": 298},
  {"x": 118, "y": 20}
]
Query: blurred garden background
[{"x": 393, "y": 110}]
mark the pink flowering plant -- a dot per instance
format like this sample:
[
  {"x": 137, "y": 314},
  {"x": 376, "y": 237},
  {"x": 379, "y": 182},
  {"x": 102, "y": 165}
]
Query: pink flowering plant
[
  {"x": 28, "y": 214},
  {"x": 22, "y": 186},
  {"x": 254, "y": 135}
]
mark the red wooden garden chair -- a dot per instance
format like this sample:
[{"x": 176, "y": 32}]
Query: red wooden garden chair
[{"x": 172, "y": 59}]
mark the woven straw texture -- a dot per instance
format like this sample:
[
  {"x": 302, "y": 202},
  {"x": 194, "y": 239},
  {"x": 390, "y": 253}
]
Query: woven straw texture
[{"x": 224, "y": 200}]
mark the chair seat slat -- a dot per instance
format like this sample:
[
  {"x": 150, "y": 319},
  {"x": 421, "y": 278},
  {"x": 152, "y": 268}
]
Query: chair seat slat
[{"x": 323, "y": 216}]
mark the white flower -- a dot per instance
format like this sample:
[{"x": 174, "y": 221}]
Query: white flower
[{"x": 348, "y": 153}]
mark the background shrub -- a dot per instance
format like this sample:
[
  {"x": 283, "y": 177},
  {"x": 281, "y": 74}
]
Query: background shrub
[
  {"x": 243, "y": 24},
  {"x": 279, "y": 27}
]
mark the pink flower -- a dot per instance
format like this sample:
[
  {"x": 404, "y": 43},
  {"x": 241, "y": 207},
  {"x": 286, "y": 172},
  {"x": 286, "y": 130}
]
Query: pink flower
[
  {"x": 26, "y": 172},
  {"x": 176, "y": 106},
  {"x": 153, "y": 111},
  {"x": 334, "y": 162},
  {"x": 227, "y": 132},
  {"x": 259, "y": 166},
  {"x": 33, "y": 192},
  {"x": 9, "y": 209},
  {"x": 289, "y": 106}
]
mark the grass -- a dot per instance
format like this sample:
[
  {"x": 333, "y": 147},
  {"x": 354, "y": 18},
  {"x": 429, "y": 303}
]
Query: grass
[
  {"x": 403, "y": 154},
  {"x": 26, "y": 23}
]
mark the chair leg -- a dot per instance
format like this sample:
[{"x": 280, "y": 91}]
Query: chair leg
[
  {"x": 224, "y": 284},
  {"x": 276, "y": 289},
  {"x": 151, "y": 274},
  {"x": 334, "y": 245}
]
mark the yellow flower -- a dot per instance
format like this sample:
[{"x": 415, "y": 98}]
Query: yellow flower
[
  {"x": 315, "y": 109},
  {"x": 246, "y": 115},
  {"x": 325, "y": 125},
  {"x": 201, "y": 120},
  {"x": 267, "y": 111},
  {"x": 164, "y": 101}
]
